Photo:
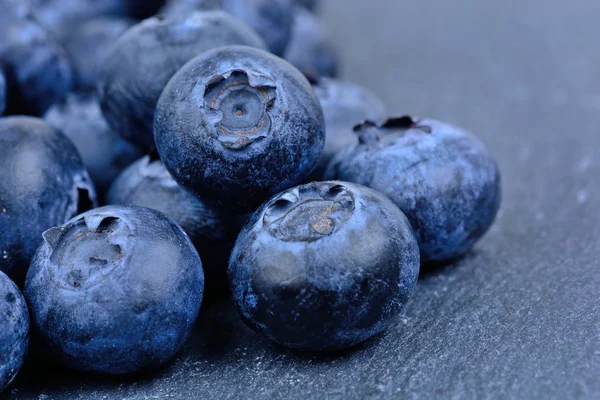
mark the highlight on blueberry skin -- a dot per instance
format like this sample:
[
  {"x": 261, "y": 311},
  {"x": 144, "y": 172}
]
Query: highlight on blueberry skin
[
  {"x": 44, "y": 183},
  {"x": 14, "y": 330},
  {"x": 90, "y": 45},
  {"x": 144, "y": 58},
  {"x": 36, "y": 67},
  {"x": 309, "y": 48},
  {"x": 213, "y": 231},
  {"x": 324, "y": 266},
  {"x": 345, "y": 104},
  {"x": 443, "y": 178},
  {"x": 115, "y": 290},
  {"x": 237, "y": 125},
  {"x": 105, "y": 154}
]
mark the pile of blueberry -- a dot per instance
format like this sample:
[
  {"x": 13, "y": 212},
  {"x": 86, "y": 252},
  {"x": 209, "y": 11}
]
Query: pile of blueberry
[{"x": 230, "y": 162}]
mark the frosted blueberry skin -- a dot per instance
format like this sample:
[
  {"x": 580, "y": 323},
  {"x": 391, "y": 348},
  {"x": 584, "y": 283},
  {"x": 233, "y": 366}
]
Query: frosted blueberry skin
[
  {"x": 2, "y": 92},
  {"x": 345, "y": 104},
  {"x": 309, "y": 49},
  {"x": 14, "y": 330},
  {"x": 44, "y": 183},
  {"x": 105, "y": 154},
  {"x": 144, "y": 58},
  {"x": 237, "y": 125},
  {"x": 115, "y": 290},
  {"x": 36, "y": 67},
  {"x": 324, "y": 266},
  {"x": 442, "y": 177},
  {"x": 213, "y": 231},
  {"x": 87, "y": 43},
  {"x": 271, "y": 19}
]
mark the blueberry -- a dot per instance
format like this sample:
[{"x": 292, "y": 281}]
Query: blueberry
[
  {"x": 272, "y": 19},
  {"x": 104, "y": 153},
  {"x": 2, "y": 92},
  {"x": 43, "y": 184},
  {"x": 324, "y": 266},
  {"x": 143, "y": 60},
  {"x": 115, "y": 290},
  {"x": 148, "y": 183},
  {"x": 309, "y": 48},
  {"x": 443, "y": 178},
  {"x": 36, "y": 66},
  {"x": 14, "y": 330},
  {"x": 308, "y": 4},
  {"x": 87, "y": 43},
  {"x": 237, "y": 125},
  {"x": 344, "y": 105}
]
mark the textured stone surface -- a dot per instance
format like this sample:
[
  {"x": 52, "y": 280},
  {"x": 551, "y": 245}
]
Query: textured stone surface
[{"x": 519, "y": 316}]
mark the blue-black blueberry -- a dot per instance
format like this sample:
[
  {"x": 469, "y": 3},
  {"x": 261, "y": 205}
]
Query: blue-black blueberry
[
  {"x": 212, "y": 229},
  {"x": 14, "y": 330},
  {"x": 37, "y": 70},
  {"x": 44, "y": 183},
  {"x": 443, "y": 178},
  {"x": 237, "y": 125},
  {"x": 115, "y": 290},
  {"x": 144, "y": 58},
  {"x": 309, "y": 48},
  {"x": 87, "y": 43},
  {"x": 324, "y": 266},
  {"x": 345, "y": 104},
  {"x": 272, "y": 19},
  {"x": 105, "y": 154}
]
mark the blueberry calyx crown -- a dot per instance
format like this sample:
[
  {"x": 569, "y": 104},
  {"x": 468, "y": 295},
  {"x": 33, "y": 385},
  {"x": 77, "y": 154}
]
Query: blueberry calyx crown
[
  {"x": 369, "y": 131},
  {"x": 87, "y": 249},
  {"x": 309, "y": 212},
  {"x": 238, "y": 106}
]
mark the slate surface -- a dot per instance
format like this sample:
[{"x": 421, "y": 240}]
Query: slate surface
[{"x": 519, "y": 317}]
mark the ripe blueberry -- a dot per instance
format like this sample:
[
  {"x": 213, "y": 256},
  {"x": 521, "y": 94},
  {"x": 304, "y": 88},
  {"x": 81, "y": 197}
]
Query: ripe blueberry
[
  {"x": 324, "y": 266},
  {"x": 443, "y": 178}
]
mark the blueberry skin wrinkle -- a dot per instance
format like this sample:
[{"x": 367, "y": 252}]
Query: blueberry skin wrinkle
[
  {"x": 443, "y": 178},
  {"x": 14, "y": 330},
  {"x": 345, "y": 104},
  {"x": 104, "y": 153},
  {"x": 324, "y": 266},
  {"x": 115, "y": 290},
  {"x": 237, "y": 125},
  {"x": 43, "y": 184},
  {"x": 144, "y": 58},
  {"x": 36, "y": 67},
  {"x": 309, "y": 48},
  {"x": 213, "y": 231}
]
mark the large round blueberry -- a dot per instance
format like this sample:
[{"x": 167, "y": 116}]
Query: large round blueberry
[
  {"x": 115, "y": 290},
  {"x": 143, "y": 60},
  {"x": 104, "y": 153},
  {"x": 43, "y": 184},
  {"x": 14, "y": 330},
  {"x": 324, "y": 266},
  {"x": 212, "y": 230},
  {"x": 36, "y": 67},
  {"x": 345, "y": 104},
  {"x": 2, "y": 92},
  {"x": 237, "y": 125},
  {"x": 443, "y": 178},
  {"x": 309, "y": 48},
  {"x": 87, "y": 44}
]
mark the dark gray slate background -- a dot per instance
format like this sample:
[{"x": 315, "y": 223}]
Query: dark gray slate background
[{"x": 519, "y": 317}]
